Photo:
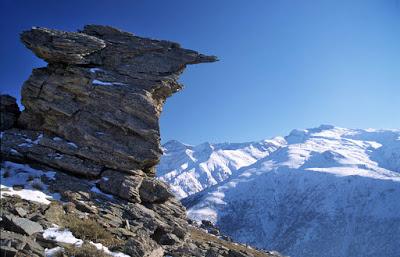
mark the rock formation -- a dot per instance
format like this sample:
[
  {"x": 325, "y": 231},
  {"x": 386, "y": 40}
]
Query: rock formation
[
  {"x": 89, "y": 136},
  {"x": 103, "y": 90}
]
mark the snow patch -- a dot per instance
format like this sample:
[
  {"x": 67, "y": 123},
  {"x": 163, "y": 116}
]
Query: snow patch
[
  {"x": 53, "y": 252},
  {"x": 65, "y": 236},
  {"x": 61, "y": 235},
  {"x": 104, "y": 83},
  {"x": 72, "y": 144},
  {"x": 94, "y": 70},
  {"x": 96, "y": 190},
  {"x": 107, "y": 251},
  {"x": 14, "y": 174}
]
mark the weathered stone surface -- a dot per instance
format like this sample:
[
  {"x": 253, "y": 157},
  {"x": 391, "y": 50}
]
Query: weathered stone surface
[
  {"x": 153, "y": 190},
  {"x": 110, "y": 95},
  {"x": 20, "y": 211},
  {"x": 152, "y": 226},
  {"x": 54, "y": 213},
  {"x": 143, "y": 247},
  {"x": 27, "y": 145},
  {"x": 20, "y": 225},
  {"x": 12, "y": 243},
  {"x": 9, "y": 112},
  {"x": 122, "y": 185},
  {"x": 60, "y": 46}
]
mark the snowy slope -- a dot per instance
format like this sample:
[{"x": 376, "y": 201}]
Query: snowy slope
[
  {"x": 190, "y": 169},
  {"x": 329, "y": 192}
]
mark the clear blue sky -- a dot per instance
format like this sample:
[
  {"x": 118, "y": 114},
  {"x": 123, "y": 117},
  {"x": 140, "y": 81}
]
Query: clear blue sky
[{"x": 283, "y": 64}]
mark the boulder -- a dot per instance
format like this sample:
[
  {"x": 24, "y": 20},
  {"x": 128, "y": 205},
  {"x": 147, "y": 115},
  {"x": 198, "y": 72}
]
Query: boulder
[
  {"x": 143, "y": 246},
  {"x": 153, "y": 190},
  {"x": 20, "y": 225},
  {"x": 125, "y": 186}
]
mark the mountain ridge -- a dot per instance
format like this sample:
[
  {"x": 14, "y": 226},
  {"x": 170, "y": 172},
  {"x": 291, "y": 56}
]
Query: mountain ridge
[
  {"x": 329, "y": 191},
  {"x": 212, "y": 162}
]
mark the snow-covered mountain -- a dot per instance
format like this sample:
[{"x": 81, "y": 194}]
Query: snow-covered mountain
[
  {"x": 326, "y": 191},
  {"x": 190, "y": 169}
]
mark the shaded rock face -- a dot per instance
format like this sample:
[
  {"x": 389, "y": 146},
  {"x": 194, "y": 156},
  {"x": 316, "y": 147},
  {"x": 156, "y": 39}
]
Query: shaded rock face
[
  {"x": 103, "y": 90},
  {"x": 9, "y": 112}
]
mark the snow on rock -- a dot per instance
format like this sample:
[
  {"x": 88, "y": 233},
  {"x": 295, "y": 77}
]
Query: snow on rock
[
  {"x": 96, "y": 190},
  {"x": 107, "y": 251},
  {"x": 72, "y": 144},
  {"x": 190, "y": 169},
  {"x": 103, "y": 83},
  {"x": 59, "y": 139},
  {"x": 94, "y": 70},
  {"x": 328, "y": 192},
  {"x": 53, "y": 252},
  {"x": 14, "y": 174},
  {"x": 61, "y": 235}
]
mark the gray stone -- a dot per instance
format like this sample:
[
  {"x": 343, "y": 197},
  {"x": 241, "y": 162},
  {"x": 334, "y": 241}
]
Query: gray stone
[
  {"x": 153, "y": 190},
  {"x": 42, "y": 148},
  {"x": 59, "y": 46},
  {"x": 20, "y": 225},
  {"x": 125, "y": 186},
  {"x": 21, "y": 211},
  {"x": 54, "y": 213},
  {"x": 143, "y": 246},
  {"x": 169, "y": 239},
  {"x": 13, "y": 243}
]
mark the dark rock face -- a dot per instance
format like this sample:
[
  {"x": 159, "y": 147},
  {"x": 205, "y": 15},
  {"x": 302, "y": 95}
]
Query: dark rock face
[
  {"x": 103, "y": 90},
  {"x": 9, "y": 112}
]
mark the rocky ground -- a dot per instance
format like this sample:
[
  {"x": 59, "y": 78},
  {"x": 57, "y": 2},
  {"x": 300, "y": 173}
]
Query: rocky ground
[{"x": 77, "y": 175}]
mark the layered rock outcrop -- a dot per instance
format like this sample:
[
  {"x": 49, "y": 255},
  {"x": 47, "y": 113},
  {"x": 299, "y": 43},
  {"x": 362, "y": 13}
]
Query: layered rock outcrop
[
  {"x": 103, "y": 90},
  {"x": 89, "y": 139}
]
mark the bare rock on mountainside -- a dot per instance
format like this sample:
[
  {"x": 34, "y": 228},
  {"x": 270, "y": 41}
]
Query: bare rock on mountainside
[{"x": 77, "y": 177}]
